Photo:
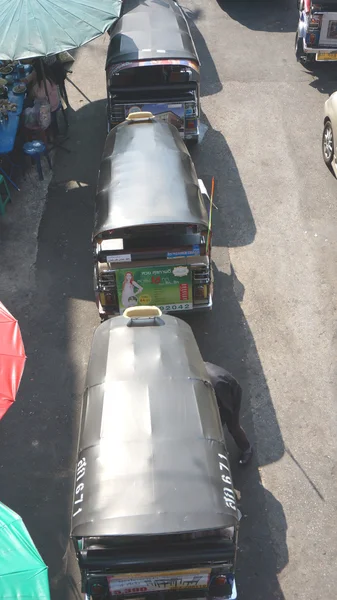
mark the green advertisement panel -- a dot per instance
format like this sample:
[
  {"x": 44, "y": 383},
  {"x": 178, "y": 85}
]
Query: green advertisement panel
[{"x": 169, "y": 287}]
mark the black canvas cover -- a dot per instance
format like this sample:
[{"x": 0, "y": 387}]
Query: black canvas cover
[
  {"x": 155, "y": 29},
  {"x": 147, "y": 177},
  {"x": 152, "y": 456}
]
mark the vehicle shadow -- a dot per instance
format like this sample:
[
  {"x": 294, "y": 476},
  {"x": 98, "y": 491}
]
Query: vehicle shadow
[
  {"x": 325, "y": 75},
  {"x": 225, "y": 338},
  {"x": 87, "y": 134},
  {"x": 38, "y": 441},
  {"x": 234, "y": 224},
  {"x": 37, "y": 438},
  {"x": 37, "y": 476},
  {"x": 231, "y": 344},
  {"x": 210, "y": 82},
  {"x": 262, "y": 15}
]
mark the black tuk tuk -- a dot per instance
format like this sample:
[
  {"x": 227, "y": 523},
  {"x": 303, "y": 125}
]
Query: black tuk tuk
[
  {"x": 154, "y": 509},
  {"x": 152, "y": 232},
  {"x": 152, "y": 65}
]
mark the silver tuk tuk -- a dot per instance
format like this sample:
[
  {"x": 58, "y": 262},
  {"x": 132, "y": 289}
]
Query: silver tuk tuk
[
  {"x": 154, "y": 509},
  {"x": 152, "y": 236}
]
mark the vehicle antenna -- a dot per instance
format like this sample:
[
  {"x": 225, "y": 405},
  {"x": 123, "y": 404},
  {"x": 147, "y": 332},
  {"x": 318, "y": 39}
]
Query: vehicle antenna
[{"x": 210, "y": 214}]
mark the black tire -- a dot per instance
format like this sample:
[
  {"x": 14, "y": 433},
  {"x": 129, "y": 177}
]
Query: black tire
[
  {"x": 299, "y": 49},
  {"x": 328, "y": 144}
]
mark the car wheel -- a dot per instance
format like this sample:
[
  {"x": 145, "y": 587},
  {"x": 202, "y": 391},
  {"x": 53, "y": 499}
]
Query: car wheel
[
  {"x": 299, "y": 50},
  {"x": 328, "y": 144}
]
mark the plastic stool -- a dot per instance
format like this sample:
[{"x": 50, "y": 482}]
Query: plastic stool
[
  {"x": 34, "y": 149},
  {"x": 8, "y": 198}
]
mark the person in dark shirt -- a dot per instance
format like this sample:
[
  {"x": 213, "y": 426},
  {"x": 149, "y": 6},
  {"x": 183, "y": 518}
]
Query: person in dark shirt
[{"x": 228, "y": 394}]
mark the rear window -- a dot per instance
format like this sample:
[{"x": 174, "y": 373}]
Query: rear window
[
  {"x": 155, "y": 238},
  {"x": 151, "y": 75},
  {"x": 157, "y": 540}
]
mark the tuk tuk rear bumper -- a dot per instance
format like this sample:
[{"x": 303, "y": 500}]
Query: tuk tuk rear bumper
[
  {"x": 198, "y": 308},
  {"x": 232, "y": 597}
]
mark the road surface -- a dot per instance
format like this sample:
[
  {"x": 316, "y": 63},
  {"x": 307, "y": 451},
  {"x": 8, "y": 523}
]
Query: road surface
[{"x": 273, "y": 323}]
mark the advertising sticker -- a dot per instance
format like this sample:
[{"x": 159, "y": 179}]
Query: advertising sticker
[{"x": 168, "y": 287}]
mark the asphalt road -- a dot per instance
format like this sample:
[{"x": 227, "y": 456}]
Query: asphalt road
[{"x": 273, "y": 323}]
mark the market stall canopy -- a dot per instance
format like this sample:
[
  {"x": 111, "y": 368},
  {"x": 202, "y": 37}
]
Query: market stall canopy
[
  {"x": 23, "y": 573},
  {"x": 12, "y": 359},
  {"x": 31, "y": 28}
]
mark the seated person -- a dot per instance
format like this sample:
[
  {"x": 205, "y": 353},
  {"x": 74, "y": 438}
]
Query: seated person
[
  {"x": 228, "y": 394},
  {"x": 43, "y": 90},
  {"x": 43, "y": 87}
]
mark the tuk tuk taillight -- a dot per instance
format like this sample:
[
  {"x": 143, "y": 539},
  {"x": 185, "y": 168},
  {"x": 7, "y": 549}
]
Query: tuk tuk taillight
[
  {"x": 98, "y": 590},
  {"x": 220, "y": 580},
  {"x": 220, "y": 586},
  {"x": 201, "y": 281},
  {"x": 201, "y": 292}
]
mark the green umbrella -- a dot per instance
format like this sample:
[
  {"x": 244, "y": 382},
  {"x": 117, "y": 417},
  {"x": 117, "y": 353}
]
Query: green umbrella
[
  {"x": 23, "y": 573},
  {"x": 32, "y": 28}
]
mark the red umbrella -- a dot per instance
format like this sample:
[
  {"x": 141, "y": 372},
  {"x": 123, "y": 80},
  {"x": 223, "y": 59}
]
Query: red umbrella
[{"x": 12, "y": 359}]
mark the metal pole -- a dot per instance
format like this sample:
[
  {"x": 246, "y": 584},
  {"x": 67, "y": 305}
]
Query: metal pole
[{"x": 44, "y": 79}]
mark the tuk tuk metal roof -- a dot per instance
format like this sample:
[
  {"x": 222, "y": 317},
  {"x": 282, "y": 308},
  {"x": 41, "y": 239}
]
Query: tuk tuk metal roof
[
  {"x": 150, "y": 435},
  {"x": 147, "y": 177},
  {"x": 151, "y": 30}
]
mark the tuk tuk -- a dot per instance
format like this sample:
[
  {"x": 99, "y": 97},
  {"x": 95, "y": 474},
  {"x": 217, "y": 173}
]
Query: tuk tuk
[
  {"x": 152, "y": 65},
  {"x": 152, "y": 232},
  {"x": 154, "y": 509},
  {"x": 316, "y": 36}
]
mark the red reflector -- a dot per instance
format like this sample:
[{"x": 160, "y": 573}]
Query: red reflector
[
  {"x": 97, "y": 589},
  {"x": 191, "y": 125},
  {"x": 221, "y": 580}
]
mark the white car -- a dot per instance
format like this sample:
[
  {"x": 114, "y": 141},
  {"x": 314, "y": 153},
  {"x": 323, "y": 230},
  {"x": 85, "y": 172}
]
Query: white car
[{"x": 329, "y": 139}]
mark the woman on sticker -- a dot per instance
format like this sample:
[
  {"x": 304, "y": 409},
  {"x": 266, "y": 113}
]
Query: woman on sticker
[{"x": 130, "y": 289}]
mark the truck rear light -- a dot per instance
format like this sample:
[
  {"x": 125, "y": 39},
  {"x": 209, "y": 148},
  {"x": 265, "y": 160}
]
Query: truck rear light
[{"x": 315, "y": 21}]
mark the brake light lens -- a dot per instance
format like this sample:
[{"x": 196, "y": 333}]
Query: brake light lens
[
  {"x": 97, "y": 589},
  {"x": 315, "y": 21},
  {"x": 221, "y": 580},
  {"x": 220, "y": 586},
  {"x": 191, "y": 124},
  {"x": 200, "y": 292}
]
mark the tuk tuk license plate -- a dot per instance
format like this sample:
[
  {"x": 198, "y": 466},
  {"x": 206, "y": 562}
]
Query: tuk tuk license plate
[
  {"x": 143, "y": 583},
  {"x": 326, "y": 56}
]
